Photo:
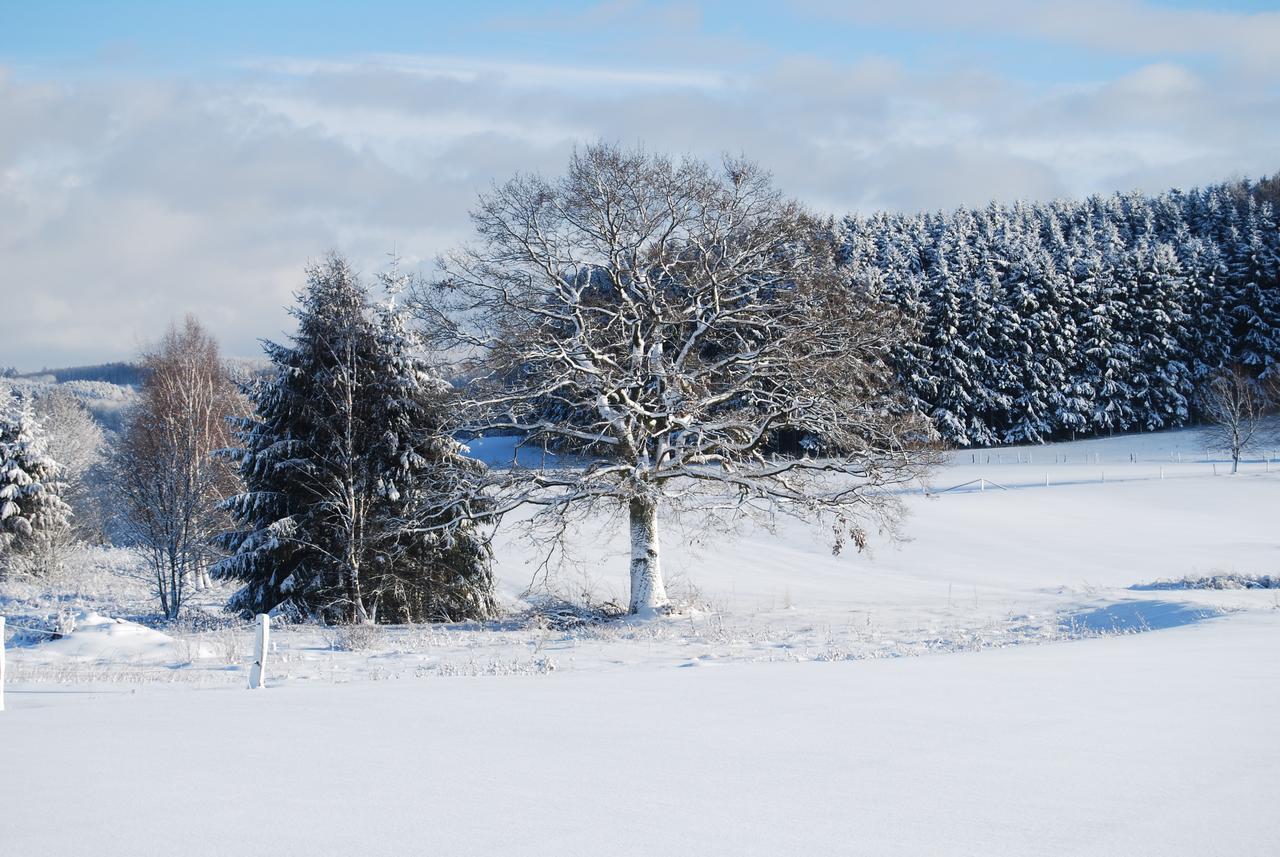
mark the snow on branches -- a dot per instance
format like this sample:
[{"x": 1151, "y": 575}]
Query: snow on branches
[
  {"x": 687, "y": 333},
  {"x": 344, "y": 462},
  {"x": 33, "y": 514}
]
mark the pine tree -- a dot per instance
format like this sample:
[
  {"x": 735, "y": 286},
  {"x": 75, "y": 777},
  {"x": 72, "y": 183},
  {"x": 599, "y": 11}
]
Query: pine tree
[
  {"x": 883, "y": 256},
  {"x": 1161, "y": 378},
  {"x": 1041, "y": 378},
  {"x": 952, "y": 367},
  {"x": 1255, "y": 271},
  {"x": 34, "y": 518},
  {"x": 1105, "y": 330},
  {"x": 1069, "y": 400},
  {"x": 345, "y": 465},
  {"x": 430, "y": 564}
]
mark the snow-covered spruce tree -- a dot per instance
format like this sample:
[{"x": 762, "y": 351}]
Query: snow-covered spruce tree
[
  {"x": 35, "y": 521},
  {"x": 1255, "y": 266},
  {"x": 685, "y": 318},
  {"x": 346, "y": 470}
]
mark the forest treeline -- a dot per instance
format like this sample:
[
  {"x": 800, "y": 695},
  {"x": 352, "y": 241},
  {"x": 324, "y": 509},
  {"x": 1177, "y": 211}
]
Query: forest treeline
[{"x": 1038, "y": 321}]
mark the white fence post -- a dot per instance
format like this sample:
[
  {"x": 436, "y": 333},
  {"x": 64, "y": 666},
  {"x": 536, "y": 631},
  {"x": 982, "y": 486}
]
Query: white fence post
[
  {"x": 258, "y": 672},
  {"x": 1, "y": 663}
]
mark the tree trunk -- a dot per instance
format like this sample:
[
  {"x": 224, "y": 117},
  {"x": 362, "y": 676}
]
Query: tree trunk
[
  {"x": 648, "y": 594},
  {"x": 1235, "y": 461},
  {"x": 359, "y": 614}
]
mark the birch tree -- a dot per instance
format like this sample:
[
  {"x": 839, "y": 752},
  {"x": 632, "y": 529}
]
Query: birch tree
[
  {"x": 166, "y": 479},
  {"x": 684, "y": 331}
]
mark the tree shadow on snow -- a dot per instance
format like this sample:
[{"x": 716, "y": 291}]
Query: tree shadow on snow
[{"x": 1129, "y": 617}]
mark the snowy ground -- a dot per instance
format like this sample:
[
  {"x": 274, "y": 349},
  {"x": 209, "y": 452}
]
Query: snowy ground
[{"x": 1042, "y": 718}]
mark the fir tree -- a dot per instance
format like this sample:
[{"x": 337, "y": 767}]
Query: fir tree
[
  {"x": 1255, "y": 269},
  {"x": 34, "y": 519},
  {"x": 347, "y": 468}
]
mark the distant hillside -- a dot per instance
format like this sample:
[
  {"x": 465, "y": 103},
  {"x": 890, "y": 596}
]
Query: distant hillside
[
  {"x": 107, "y": 389},
  {"x": 122, "y": 374},
  {"x": 106, "y": 401}
]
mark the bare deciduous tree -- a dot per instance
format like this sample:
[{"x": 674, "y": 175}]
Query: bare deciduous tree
[
  {"x": 686, "y": 332},
  {"x": 1233, "y": 404},
  {"x": 169, "y": 483}
]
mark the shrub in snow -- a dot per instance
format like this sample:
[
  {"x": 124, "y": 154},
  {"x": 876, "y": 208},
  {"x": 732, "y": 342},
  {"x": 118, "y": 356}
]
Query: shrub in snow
[
  {"x": 64, "y": 623},
  {"x": 356, "y": 638},
  {"x": 1217, "y": 581}
]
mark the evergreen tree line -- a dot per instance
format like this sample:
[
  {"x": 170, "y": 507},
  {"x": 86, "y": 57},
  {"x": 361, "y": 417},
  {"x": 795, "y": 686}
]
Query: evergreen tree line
[{"x": 1039, "y": 321}]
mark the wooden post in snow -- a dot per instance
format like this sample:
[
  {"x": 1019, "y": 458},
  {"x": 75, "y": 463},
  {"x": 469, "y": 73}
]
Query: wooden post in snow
[{"x": 258, "y": 672}]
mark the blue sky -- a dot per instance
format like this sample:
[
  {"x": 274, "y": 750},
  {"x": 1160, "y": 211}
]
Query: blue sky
[
  {"x": 199, "y": 38},
  {"x": 161, "y": 158},
  {"x": 167, "y": 36}
]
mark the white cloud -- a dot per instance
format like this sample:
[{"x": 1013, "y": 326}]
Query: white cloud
[
  {"x": 1124, "y": 27},
  {"x": 516, "y": 74},
  {"x": 125, "y": 203}
]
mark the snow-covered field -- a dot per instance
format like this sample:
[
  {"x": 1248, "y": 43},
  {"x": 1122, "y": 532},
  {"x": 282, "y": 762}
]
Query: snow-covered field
[{"x": 782, "y": 711}]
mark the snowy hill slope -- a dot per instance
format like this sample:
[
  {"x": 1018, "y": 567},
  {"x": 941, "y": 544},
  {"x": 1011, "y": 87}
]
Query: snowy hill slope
[{"x": 1063, "y": 706}]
